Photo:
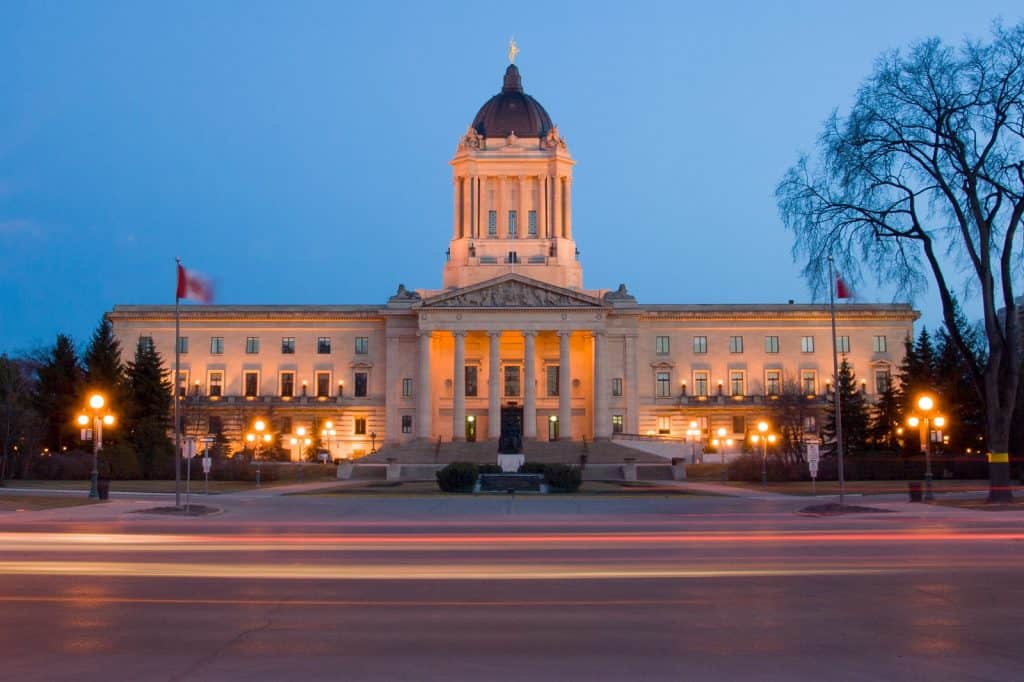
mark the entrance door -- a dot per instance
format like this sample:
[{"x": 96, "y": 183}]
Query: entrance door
[
  {"x": 553, "y": 428},
  {"x": 511, "y": 441},
  {"x": 470, "y": 429}
]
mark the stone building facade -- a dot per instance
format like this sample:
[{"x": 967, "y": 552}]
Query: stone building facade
[{"x": 512, "y": 340}]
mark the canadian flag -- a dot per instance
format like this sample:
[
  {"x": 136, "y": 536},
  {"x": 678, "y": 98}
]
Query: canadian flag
[
  {"x": 194, "y": 286},
  {"x": 842, "y": 288}
]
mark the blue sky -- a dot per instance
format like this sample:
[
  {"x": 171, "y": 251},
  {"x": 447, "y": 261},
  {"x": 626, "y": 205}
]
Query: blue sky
[{"x": 298, "y": 152}]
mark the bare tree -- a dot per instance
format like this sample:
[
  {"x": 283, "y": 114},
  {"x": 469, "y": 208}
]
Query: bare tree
[
  {"x": 924, "y": 180},
  {"x": 790, "y": 411}
]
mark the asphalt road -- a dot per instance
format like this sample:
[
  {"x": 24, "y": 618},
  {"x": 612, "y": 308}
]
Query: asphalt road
[{"x": 633, "y": 589}]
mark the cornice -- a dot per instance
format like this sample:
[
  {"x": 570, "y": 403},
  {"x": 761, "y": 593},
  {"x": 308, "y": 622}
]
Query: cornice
[
  {"x": 803, "y": 313},
  {"x": 165, "y": 313}
]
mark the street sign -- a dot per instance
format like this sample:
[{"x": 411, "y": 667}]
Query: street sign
[
  {"x": 207, "y": 439},
  {"x": 86, "y": 434},
  {"x": 207, "y": 464},
  {"x": 813, "y": 458}
]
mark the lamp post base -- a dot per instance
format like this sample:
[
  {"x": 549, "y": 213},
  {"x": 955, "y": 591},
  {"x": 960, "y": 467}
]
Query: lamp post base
[
  {"x": 94, "y": 488},
  {"x": 928, "y": 496}
]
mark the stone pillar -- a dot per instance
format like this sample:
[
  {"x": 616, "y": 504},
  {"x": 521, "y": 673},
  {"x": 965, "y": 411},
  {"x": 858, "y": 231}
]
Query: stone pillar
[
  {"x": 564, "y": 387},
  {"x": 632, "y": 386},
  {"x": 542, "y": 206},
  {"x": 466, "y": 204},
  {"x": 392, "y": 422},
  {"x": 494, "y": 386},
  {"x": 502, "y": 223},
  {"x": 529, "y": 386},
  {"x": 481, "y": 212},
  {"x": 556, "y": 222},
  {"x": 424, "y": 407},
  {"x": 456, "y": 206},
  {"x": 459, "y": 384},
  {"x": 602, "y": 425},
  {"x": 568, "y": 207},
  {"x": 523, "y": 212}
]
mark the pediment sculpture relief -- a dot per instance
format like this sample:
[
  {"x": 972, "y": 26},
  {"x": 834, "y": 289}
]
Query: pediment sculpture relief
[{"x": 512, "y": 295}]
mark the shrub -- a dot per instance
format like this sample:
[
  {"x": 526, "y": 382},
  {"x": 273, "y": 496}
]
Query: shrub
[
  {"x": 563, "y": 477},
  {"x": 705, "y": 471},
  {"x": 747, "y": 467},
  {"x": 458, "y": 477},
  {"x": 490, "y": 469},
  {"x": 532, "y": 468}
]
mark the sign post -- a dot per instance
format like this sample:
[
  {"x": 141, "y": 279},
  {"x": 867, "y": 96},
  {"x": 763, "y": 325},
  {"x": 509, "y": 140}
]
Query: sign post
[
  {"x": 813, "y": 457},
  {"x": 207, "y": 464}
]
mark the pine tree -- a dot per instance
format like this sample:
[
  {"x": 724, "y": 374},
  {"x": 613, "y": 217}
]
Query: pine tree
[
  {"x": 885, "y": 419},
  {"x": 854, "y": 410},
  {"x": 17, "y": 419},
  {"x": 958, "y": 397},
  {"x": 147, "y": 414},
  {"x": 104, "y": 370},
  {"x": 57, "y": 394}
]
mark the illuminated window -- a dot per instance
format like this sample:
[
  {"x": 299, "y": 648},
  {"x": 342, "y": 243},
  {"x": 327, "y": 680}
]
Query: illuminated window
[
  {"x": 471, "y": 381},
  {"x": 406, "y": 423},
  {"x": 737, "y": 383},
  {"x": 773, "y": 381},
  {"x": 700, "y": 384},
  {"x": 215, "y": 384},
  {"x": 663, "y": 384},
  {"x": 616, "y": 423},
  {"x": 809, "y": 381},
  {"x": 359, "y": 426},
  {"x": 552, "y": 380},
  {"x": 511, "y": 381},
  {"x": 664, "y": 425}
]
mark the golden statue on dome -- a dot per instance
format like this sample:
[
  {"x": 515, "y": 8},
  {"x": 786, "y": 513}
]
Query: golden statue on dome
[{"x": 513, "y": 50}]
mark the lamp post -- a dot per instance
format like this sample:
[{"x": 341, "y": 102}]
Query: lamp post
[
  {"x": 99, "y": 417},
  {"x": 692, "y": 434},
  {"x": 327, "y": 433},
  {"x": 373, "y": 442},
  {"x": 257, "y": 437},
  {"x": 923, "y": 421},
  {"x": 764, "y": 438}
]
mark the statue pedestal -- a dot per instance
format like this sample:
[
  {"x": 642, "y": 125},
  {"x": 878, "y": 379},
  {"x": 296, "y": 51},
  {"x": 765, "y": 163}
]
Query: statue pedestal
[{"x": 511, "y": 463}]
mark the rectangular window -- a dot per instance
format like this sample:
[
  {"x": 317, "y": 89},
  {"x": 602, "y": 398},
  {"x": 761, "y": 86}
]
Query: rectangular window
[
  {"x": 661, "y": 345},
  {"x": 771, "y": 344},
  {"x": 251, "y": 384},
  {"x": 531, "y": 219},
  {"x": 511, "y": 381},
  {"x": 617, "y": 387},
  {"x": 882, "y": 380},
  {"x": 406, "y": 423},
  {"x": 616, "y": 423},
  {"x": 809, "y": 381},
  {"x": 878, "y": 344},
  {"x": 552, "y": 380},
  {"x": 512, "y": 223},
  {"x": 773, "y": 381},
  {"x": 737, "y": 383},
  {"x": 700, "y": 384},
  {"x": 362, "y": 345},
  {"x": 359, "y": 426},
  {"x": 700, "y": 344},
  {"x": 214, "y": 425},
  {"x": 492, "y": 223},
  {"x": 183, "y": 383},
  {"x": 471, "y": 373},
  {"x": 842, "y": 344},
  {"x": 664, "y": 425},
  {"x": 323, "y": 384},
  {"x": 146, "y": 343},
  {"x": 739, "y": 423},
  {"x": 183, "y": 345},
  {"x": 806, "y": 344},
  {"x": 215, "y": 384},
  {"x": 216, "y": 345},
  {"x": 361, "y": 382},
  {"x": 288, "y": 345},
  {"x": 810, "y": 424},
  {"x": 287, "y": 384},
  {"x": 407, "y": 387},
  {"x": 735, "y": 344},
  {"x": 252, "y": 345},
  {"x": 323, "y": 345},
  {"x": 663, "y": 384}
]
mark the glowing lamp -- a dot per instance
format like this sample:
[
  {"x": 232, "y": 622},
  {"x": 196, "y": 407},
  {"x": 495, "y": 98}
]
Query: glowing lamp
[
  {"x": 96, "y": 401},
  {"x": 83, "y": 420},
  {"x": 925, "y": 403}
]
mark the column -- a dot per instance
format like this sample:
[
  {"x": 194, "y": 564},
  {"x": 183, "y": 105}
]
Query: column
[
  {"x": 502, "y": 223},
  {"x": 474, "y": 209},
  {"x": 466, "y": 207},
  {"x": 459, "y": 384},
  {"x": 523, "y": 212},
  {"x": 602, "y": 425},
  {"x": 567, "y": 198},
  {"x": 632, "y": 386},
  {"x": 423, "y": 403},
  {"x": 556, "y": 222},
  {"x": 392, "y": 422},
  {"x": 481, "y": 212},
  {"x": 456, "y": 206},
  {"x": 564, "y": 387},
  {"x": 494, "y": 386},
  {"x": 542, "y": 206},
  {"x": 529, "y": 386}
]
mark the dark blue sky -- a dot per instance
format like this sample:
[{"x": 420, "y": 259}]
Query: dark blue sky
[{"x": 299, "y": 152}]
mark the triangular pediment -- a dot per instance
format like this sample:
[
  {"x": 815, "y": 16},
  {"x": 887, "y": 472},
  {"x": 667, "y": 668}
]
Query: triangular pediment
[{"x": 512, "y": 291}]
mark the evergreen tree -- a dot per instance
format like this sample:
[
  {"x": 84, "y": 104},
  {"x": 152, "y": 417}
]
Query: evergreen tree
[
  {"x": 58, "y": 392},
  {"x": 885, "y": 419},
  {"x": 958, "y": 397},
  {"x": 17, "y": 419},
  {"x": 147, "y": 416},
  {"x": 854, "y": 410},
  {"x": 104, "y": 370}
]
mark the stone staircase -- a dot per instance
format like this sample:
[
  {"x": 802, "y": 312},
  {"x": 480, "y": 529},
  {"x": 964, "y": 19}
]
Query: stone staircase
[{"x": 563, "y": 452}]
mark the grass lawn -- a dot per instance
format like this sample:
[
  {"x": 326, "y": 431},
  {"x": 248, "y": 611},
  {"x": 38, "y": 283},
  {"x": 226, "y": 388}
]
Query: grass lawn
[
  {"x": 429, "y": 488},
  {"x": 143, "y": 486},
  {"x": 982, "y": 505},
  {"x": 36, "y": 502},
  {"x": 863, "y": 487}
]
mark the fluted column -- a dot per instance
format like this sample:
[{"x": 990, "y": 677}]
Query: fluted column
[
  {"x": 568, "y": 207},
  {"x": 502, "y": 222},
  {"x": 481, "y": 214},
  {"x": 456, "y": 207},
  {"x": 542, "y": 206},
  {"x": 465, "y": 213},
  {"x": 556, "y": 223},
  {"x": 459, "y": 384},
  {"x": 602, "y": 426},
  {"x": 523, "y": 212},
  {"x": 423, "y": 403},
  {"x": 494, "y": 386},
  {"x": 529, "y": 386},
  {"x": 564, "y": 387},
  {"x": 392, "y": 422},
  {"x": 632, "y": 386}
]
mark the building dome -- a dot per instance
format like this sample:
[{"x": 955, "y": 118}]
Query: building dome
[{"x": 512, "y": 111}]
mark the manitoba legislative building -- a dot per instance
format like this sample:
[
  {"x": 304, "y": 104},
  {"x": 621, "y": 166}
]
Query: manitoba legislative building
[{"x": 512, "y": 340}]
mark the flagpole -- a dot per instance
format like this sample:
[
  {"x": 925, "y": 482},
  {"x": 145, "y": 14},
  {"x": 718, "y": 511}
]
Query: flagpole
[
  {"x": 177, "y": 380},
  {"x": 835, "y": 388}
]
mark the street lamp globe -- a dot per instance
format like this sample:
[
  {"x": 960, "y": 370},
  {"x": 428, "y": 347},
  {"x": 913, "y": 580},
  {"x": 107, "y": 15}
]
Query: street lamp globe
[
  {"x": 259, "y": 425},
  {"x": 925, "y": 403},
  {"x": 83, "y": 420},
  {"x": 762, "y": 426},
  {"x": 250, "y": 437},
  {"x": 913, "y": 422},
  {"x": 771, "y": 437},
  {"x": 939, "y": 422},
  {"x": 96, "y": 401},
  {"x": 108, "y": 420},
  {"x": 301, "y": 431},
  {"x": 721, "y": 432}
]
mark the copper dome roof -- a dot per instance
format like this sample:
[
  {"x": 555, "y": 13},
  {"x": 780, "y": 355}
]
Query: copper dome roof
[{"x": 512, "y": 111}]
